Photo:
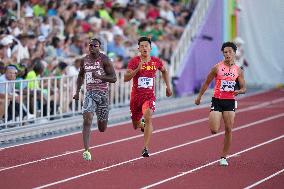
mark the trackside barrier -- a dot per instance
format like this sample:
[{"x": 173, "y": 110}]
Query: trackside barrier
[{"x": 29, "y": 102}]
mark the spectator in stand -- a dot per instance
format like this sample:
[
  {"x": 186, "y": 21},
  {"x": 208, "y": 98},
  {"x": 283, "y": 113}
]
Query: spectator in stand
[
  {"x": 76, "y": 46},
  {"x": 10, "y": 75},
  {"x": 21, "y": 50},
  {"x": 75, "y": 68},
  {"x": 117, "y": 46}
]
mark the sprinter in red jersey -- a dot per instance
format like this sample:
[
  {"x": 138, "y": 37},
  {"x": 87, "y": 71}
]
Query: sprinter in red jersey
[
  {"x": 98, "y": 71},
  {"x": 223, "y": 102},
  {"x": 143, "y": 70}
]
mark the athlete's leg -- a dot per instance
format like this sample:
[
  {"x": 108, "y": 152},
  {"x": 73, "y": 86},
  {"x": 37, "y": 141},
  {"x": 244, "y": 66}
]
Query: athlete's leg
[
  {"x": 89, "y": 108},
  {"x": 148, "y": 127},
  {"x": 148, "y": 108},
  {"x": 102, "y": 112},
  {"x": 136, "y": 113},
  {"x": 88, "y": 118},
  {"x": 214, "y": 121},
  {"x": 229, "y": 117}
]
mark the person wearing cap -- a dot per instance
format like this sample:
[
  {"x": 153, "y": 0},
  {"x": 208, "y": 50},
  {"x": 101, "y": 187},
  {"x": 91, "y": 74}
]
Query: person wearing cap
[
  {"x": 6, "y": 42},
  {"x": 21, "y": 50},
  {"x": 40, "y": 47}
]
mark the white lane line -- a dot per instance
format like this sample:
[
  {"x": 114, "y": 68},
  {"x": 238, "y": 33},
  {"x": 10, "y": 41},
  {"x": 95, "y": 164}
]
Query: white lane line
[
  {"x": 265, "y": 179},
  {"x": 129, "y": 121},
  {"x": 211, "y": 163},
  {"x": 165, "y": 150},
  {"x": 111, "y": 125},
  {"x": 141, "y": 135}
]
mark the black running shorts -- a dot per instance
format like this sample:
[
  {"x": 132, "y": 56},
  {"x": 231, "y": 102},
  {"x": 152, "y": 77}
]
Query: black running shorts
[{"x": 222, "y": 105}]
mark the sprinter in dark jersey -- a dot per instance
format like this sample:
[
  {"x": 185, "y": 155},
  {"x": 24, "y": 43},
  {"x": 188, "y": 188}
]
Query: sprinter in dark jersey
[{"x": 99, "y": 71}]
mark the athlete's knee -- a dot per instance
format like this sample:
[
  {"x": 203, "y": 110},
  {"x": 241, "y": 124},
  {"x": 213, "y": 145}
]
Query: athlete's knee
[
  {"x": 214, "y": 131},
  {"x": 87, "y": 122},
  {"x": 102, "y": 129},
  {"x": 228, "y": 129},
  {"x": 102, "y": 126}
]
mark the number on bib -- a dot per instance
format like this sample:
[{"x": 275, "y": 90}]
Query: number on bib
[
  {"x": 89, "y": 78},
  {"x": 227, "y": 86},
  {"x": 145, "y": 82}
]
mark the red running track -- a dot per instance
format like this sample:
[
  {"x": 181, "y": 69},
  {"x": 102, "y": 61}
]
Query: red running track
[{"x": 183, "y": 154}]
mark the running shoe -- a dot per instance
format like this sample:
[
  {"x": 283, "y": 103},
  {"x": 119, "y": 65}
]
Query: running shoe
[
  {"x": 143, "y": 123},
  {"x": 87, "y": 155},
  {"x": 145, "y": 152},
  {"x": 223, "y": 162}
]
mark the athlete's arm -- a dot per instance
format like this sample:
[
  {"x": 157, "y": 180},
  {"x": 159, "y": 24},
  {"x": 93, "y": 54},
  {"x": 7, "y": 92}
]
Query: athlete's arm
[
  {"x": 205, "y": 85},
  {"x": 129, "y": 74},
  {"x": 165, "y": 75},
  {"x": 80, "y": 80},
  {"x": 242, "y": 83},
  {"x": 109, "y": 70}
]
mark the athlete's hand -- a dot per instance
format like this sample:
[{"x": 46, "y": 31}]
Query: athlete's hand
[
  {"x": 237, "y": 92},
  {"x": 197, "y": 100},
  {"x": 76, "y": 96},
  {"x": 140, "y": 65},
  {"x": 169, "y": 92}
]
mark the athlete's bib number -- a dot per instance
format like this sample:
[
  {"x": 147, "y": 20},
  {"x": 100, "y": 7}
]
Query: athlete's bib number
[
  {"x": 227, "y": 86},
  {"x": 90, "y": 79},
  {"x": 145, "y": 82}
]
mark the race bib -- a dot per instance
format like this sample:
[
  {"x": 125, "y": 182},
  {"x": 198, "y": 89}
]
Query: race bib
[
  {"x": 145, "y": 82},
  {"x": 227, "y": 86},
  {"x": 89, "y": 78}
]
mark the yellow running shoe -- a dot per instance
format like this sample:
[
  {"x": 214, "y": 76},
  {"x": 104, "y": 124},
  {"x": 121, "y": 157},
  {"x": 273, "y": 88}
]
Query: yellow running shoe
[
  {"x": 143, "y": 123},
  {"x": 223, "y": 162},
  {"x": 87, "y": 155}
]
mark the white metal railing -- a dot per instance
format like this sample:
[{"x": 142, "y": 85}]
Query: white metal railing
[
  {"x": 40, "y": 100},
  {"x": 189, "y": 33}
]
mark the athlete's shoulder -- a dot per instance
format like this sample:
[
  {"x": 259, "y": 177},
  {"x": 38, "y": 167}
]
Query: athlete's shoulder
[
  {"x": 104, "y": 57},
  {"x": 218, "y": 65},
  {"x": 134, "y": 60}
]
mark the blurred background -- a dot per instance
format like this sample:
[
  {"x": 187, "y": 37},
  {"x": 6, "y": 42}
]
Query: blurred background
[{"x": 42, "y": 43}]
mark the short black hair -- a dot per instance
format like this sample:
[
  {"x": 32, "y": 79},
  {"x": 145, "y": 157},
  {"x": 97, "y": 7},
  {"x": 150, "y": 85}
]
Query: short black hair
[
  {"x": 96, "y": 39},
  {"x": 144, "y": 39},
  {"x": 229, "y": 44}
]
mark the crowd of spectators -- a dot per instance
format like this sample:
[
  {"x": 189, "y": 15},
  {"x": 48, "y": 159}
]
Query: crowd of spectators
[{"x": 55, "y": 34}]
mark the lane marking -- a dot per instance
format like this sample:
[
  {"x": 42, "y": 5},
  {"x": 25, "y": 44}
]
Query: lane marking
[
  {"x": 265, "y": 179},
  {"x": 141, "y": 135},
  {"x": 129, "y": 121},
  {"x": 213, "y": 162},
  {"x": 169, "y": 149}
]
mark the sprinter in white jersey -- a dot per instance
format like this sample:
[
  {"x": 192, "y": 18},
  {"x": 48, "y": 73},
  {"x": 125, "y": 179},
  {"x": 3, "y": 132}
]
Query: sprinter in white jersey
[{"x": 99, "y": 71}]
